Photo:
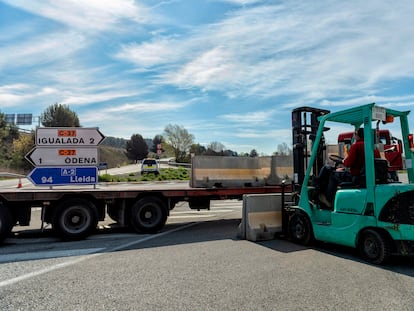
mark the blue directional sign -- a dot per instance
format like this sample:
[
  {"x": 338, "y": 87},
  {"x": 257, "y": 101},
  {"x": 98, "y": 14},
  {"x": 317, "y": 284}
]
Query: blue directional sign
[{"x": 54, "y": 176}]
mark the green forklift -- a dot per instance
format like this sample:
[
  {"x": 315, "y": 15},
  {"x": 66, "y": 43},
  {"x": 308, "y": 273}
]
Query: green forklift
[{"x": 377, "y": 215}]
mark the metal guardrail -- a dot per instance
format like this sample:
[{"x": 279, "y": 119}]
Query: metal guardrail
[
  {"x": 11, "y": 175},
  {"x": 177, "y": 164}
]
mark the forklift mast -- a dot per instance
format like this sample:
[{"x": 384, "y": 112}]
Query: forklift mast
[{"x": 304, "y": 127}]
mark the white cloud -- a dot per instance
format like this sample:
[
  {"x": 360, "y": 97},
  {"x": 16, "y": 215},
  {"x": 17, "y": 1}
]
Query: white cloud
[
  {"x": 207, "y": 71},
  {"x": 252, "y": 117},
  {"x": 96, "y": 15},
  {"x": 42, "y": 49},
  {"x": 274, "y": 135},
  {"x": 311, "y": 50},
  {"x": 242, "y": 2},
  {"x": 144, "y": 107},
  {"x": 14, "y": 94},
  {"x": 92, "y": 97},
  {"x": 150, "y": 54},
  {"x": 356, "y": 101}
]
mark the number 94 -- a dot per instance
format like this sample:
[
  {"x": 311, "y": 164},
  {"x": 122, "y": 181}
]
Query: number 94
[{"x": 47, "y": 180}]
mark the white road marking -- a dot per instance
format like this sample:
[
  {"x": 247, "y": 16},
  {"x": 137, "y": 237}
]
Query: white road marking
[
  {"x": 228, "y": 203},
  {"x": 195, "y": 212},
  {"x": 213, "y": 212},
  {"x": 113, "y": 236},
  {"x": 83, "y": 257},
  {"x": 191, "y": 216},
  {"x": 151, "y": 237},
  {"x": 45, "y": 270}
]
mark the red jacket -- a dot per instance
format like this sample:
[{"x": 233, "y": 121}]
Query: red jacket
[{"x": 356, "y": 158}]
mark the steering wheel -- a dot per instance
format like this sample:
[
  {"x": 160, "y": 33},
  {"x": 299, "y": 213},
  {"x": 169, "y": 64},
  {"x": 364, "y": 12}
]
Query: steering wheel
[{"x": 336, "y": 159}]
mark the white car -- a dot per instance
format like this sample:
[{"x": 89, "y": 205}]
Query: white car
[{"x": 149, "y": 166}]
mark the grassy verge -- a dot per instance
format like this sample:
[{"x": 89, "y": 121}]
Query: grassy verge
[{"x": 165, "y": 174}]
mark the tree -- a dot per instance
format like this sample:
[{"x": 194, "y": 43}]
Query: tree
[
  {"x": 21, "y": 147},
  {"x": 283, "y": 149},
  {"x": 197, "y": 149},
  {"x": 253, "y": 153},
  {"x": 136, "y": 148},
  {"x": 8, "y": 133},
  {"x": 180, "y": 140},
  {"x": 114, "y": 142},
  {"x": 59, "y": 115},
  {"x": 216, "y": 147}
]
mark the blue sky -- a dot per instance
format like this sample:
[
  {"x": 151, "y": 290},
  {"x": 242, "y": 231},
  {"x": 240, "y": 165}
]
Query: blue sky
[{"x": 229, "y": 71}]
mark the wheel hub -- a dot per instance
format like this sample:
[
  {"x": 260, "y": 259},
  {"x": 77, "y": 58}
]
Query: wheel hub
[
  {"x": 76, "y": 219},
  {"x": 299, "y": 230},
  {"x": 371, "y": 247}
]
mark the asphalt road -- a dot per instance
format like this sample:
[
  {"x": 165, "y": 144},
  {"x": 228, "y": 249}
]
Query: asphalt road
[{"x": 196, "y": 263}]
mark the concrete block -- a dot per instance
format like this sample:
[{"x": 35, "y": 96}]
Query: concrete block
[{"x": 261, "y": 217}]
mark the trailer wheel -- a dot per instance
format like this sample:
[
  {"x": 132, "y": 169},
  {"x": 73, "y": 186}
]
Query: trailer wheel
[
  {"x": 374, "y": 247},
  {"x": 6, "y": 223},
  {"x": 148, "y": 215},
  {"x": 300, "y": 229},
  {"x": 75, "y": 219}
]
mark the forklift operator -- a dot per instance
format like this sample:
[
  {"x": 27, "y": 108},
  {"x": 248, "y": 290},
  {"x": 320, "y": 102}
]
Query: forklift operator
[{"x": 355, "y": 162}]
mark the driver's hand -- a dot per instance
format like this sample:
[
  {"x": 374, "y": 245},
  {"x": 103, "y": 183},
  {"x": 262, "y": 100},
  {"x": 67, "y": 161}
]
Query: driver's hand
[{"x": 340, "y": 169}]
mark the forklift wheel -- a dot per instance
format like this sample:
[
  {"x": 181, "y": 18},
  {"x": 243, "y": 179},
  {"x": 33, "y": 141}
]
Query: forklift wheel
[
  {"x": 374, "y": 247},
  {"x": 300, "y": 229}
]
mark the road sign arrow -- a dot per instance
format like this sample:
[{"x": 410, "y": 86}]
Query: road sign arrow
[
  {"x": 53, "y": 176},
  {"x": 68, "y": 136},
  {"x": 63, "y": 156}
]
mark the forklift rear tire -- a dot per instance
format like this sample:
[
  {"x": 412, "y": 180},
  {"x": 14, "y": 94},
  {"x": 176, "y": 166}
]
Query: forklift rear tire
[
  {"x": 300, "y": 229},
  {"x": 374, "y": 247}
]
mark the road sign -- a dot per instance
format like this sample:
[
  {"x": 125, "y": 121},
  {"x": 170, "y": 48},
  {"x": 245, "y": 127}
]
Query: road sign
[
  {"x": 63, "y": 156},
  {"x": 68, "y": 136},
  {"x": 55, "y": 176}
]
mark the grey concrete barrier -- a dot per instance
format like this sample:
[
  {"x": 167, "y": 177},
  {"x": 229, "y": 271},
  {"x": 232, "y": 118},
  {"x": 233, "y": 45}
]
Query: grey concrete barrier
[
  {"x": 221, "y": 171},
  {"x": 261, "y": 217}
]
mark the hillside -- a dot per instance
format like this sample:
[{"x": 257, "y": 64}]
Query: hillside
[{"x": 113, "y": 156}]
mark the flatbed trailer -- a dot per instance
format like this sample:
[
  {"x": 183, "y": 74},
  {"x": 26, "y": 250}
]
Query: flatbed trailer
[{"x": 74, "y": 212}]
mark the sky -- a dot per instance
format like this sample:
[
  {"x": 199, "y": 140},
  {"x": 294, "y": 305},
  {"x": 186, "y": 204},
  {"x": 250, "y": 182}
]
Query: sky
[{"x": 228, "y": 71}]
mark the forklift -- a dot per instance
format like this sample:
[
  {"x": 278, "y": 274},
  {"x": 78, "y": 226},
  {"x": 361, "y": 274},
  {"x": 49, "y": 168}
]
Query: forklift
[{"x": 376, "y": 216}]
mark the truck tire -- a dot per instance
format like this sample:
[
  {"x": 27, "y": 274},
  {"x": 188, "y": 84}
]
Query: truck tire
[
  {"x": 6, "y": 223},
  {"x": 300, "y": 229},
  {"x": 75, "y": 219},
  {"x": 374, "y": 247},
  {"x": 148, "y": 215}
]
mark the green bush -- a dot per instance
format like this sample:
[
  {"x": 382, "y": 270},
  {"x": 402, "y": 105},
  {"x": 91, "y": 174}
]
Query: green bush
[
  {"x": 105, "y": 178},
  {"x": 164, "y": 174}
]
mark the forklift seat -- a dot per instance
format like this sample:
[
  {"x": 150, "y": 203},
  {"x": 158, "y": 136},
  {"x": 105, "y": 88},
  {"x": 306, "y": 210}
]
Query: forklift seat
[
  {"x": 381, "y": 171},
  {"x": 381, "y": 176}
]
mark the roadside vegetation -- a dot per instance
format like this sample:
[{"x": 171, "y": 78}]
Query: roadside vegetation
[{"x": 179, "y": 173}]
